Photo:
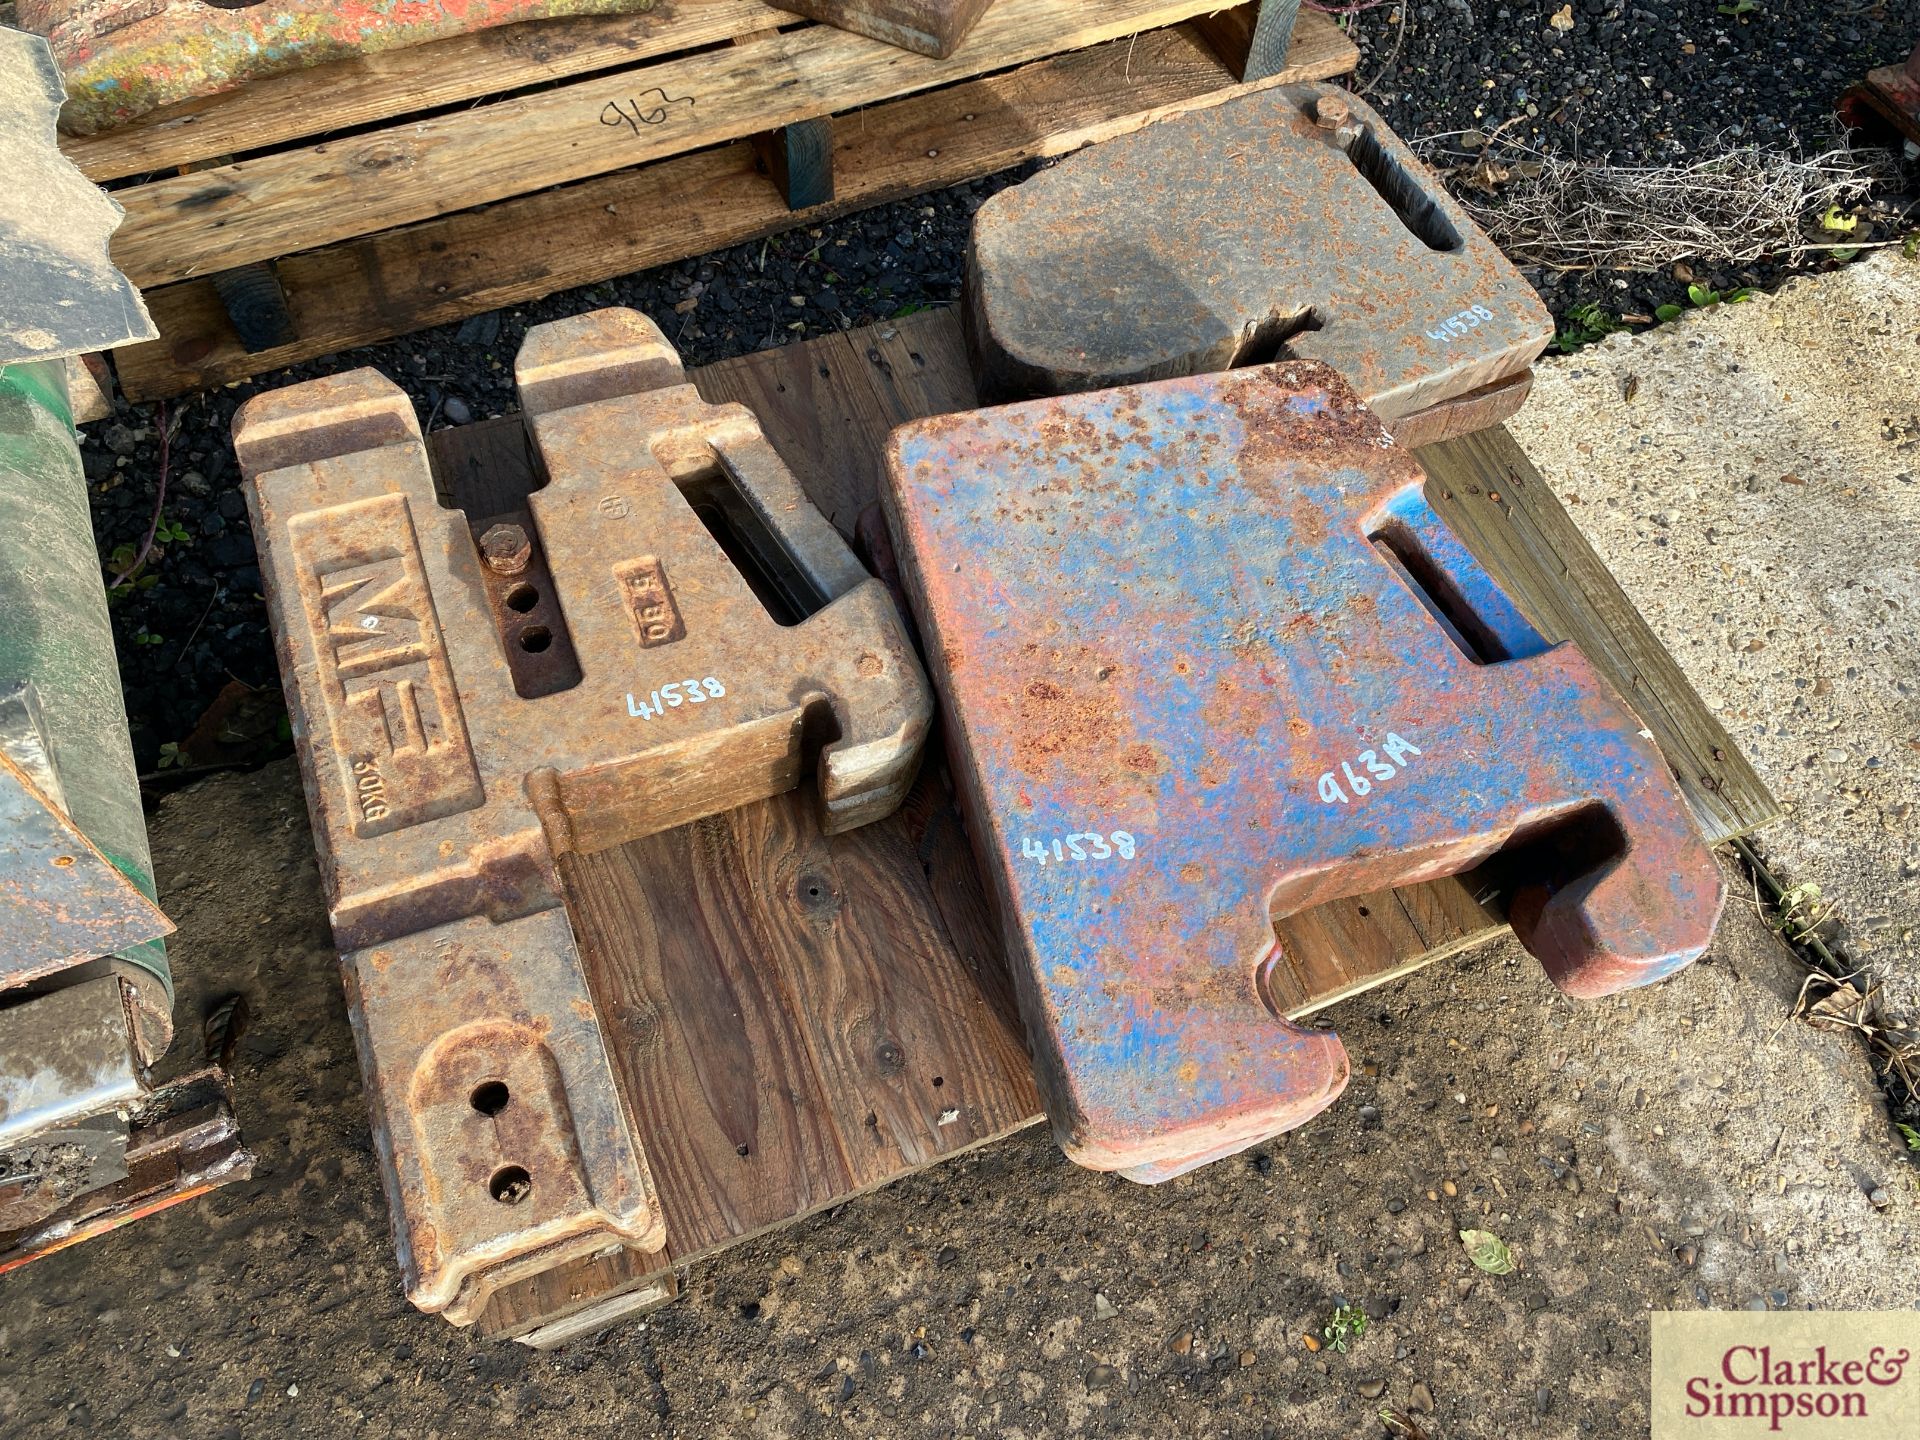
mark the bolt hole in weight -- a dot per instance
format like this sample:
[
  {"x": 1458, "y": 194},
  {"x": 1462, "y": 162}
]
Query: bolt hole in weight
[
  {"x": 535, "y": 639},
  {"x": 490, "y": 1097},
  {"x": 522, "y": 598},
  {"x": 510, "y": 1185}
]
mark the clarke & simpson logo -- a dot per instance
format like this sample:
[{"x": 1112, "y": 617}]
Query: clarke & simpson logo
[
  {"x": 1754, "y": 1383},
  {"x": 1785, "y": 1373}
]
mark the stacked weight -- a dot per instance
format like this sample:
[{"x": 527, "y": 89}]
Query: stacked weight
[{"x": 445, "y": 774}]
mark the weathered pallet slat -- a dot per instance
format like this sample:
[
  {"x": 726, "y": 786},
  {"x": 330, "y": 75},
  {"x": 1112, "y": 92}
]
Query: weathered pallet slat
[
  {"x": 440, "y": 270},
  {"x": 1253, "y": 40},
  {"x": 374, "y": 87},
  {"x": 279, "y": 204}
]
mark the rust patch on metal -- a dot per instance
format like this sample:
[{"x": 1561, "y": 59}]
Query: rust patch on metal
[
  {"x": 62, "y": 899},
  {"x": 1889, "y": 100},
  {"x": 182, "y": 1141}
]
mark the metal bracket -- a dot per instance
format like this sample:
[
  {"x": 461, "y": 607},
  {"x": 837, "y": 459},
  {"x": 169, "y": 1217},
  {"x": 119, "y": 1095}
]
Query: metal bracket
[{"x": 64, "y": 901}]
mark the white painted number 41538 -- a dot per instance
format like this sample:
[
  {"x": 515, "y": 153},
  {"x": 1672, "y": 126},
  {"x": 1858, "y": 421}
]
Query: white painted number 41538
[
  {"x": 1459, "y": 323},
  {"x": 672, "y": 697},
  {"x": 1085, "y": 845}
]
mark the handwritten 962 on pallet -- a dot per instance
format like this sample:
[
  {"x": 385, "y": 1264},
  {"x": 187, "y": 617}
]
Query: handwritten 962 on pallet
[{"x": 1214, "y": 626}]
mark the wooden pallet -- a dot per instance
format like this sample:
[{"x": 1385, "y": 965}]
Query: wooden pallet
[
  {"x": 797, "y": 1020},
  {"x": 351, "y": 203}
]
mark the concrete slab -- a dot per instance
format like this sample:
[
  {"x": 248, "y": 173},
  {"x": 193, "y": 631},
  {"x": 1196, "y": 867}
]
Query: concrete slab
[{"x": 1752, "y": 474}]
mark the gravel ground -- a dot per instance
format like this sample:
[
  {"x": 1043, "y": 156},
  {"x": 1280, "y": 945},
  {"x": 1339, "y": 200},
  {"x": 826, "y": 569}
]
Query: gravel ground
[
  {"x": 1678, "y": 1147},
  {"x": 1633, "y": 83}
]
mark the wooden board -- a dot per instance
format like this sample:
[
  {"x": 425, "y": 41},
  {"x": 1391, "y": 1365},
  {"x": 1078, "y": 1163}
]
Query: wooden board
[
  {"x": 445, "y": 269},
  {"x": 830, "y": 1035},
  {"x": 363, "y": 90},
  {"x": 1253, "y": 39},
  {"x": 794, "y": 1020},
  {"x": 266, "y": 206},
  {"x": 794, "y": 998},
  {"x": 1486, "y": 488}
]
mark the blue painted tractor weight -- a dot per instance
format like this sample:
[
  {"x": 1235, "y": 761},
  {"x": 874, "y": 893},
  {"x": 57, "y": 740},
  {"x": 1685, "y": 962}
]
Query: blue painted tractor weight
[{"x": 1210, "y": 659}]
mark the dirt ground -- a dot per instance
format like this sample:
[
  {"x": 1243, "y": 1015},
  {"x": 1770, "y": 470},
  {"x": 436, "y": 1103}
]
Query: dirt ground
[{"x": 1682, "y": 1146}]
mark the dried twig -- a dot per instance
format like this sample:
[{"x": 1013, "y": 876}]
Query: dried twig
[
  {"x": 1404, "y": 13},
  {"x": 1734, "y": 207},
  {"x": 161, "y": 418},
  {"x": 1841, "y": 992}
]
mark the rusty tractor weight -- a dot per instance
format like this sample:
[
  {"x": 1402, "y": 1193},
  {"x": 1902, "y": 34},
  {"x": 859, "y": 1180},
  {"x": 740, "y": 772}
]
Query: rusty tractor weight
[
  {"x": 1287, "y": 223},
  {"x": 471, "y": 701},
  {"x": 1210, "y": 659}
]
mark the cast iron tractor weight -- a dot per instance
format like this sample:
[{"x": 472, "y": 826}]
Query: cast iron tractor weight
[
  {"x": 1289, "y": 223},
  {"x": 441, "y": 794},
  {"x": 1209, "y": 658}
]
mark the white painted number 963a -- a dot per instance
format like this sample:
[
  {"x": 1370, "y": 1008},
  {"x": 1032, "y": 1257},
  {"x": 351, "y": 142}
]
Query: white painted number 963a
[
  {"x": 672, "y": 697},
  {"x": 1376, "y": 767}
]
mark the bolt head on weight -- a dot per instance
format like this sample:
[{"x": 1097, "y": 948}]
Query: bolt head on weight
[
  {"x": 506, "y": 548},
  {"x": 1330, "y": 112}
]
